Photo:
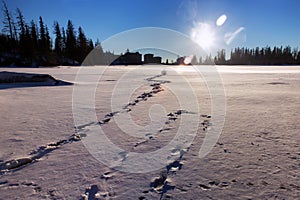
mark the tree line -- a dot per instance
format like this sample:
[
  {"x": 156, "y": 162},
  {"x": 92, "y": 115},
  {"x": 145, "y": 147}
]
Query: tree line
[
  {"x": 259, "y": 56},
  {"x": 30, "y": 44}
]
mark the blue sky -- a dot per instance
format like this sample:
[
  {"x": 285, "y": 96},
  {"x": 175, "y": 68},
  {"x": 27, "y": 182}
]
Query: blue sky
[{"x": 255, "y": 22}]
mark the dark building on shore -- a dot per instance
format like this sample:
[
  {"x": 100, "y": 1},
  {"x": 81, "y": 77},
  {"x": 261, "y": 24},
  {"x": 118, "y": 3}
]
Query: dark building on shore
[
  {"x": 157, "y": 59},
  {"x": 150, "y": 58},
  {"x": 128, "y": 59}
]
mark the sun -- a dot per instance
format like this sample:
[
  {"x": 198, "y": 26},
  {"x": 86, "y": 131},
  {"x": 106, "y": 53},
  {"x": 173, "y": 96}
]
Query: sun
[{"x": 204, "y": 35}]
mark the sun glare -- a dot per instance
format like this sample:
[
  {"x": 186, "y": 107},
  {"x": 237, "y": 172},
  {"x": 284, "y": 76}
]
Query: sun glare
[{"x": 204, "y": 35}]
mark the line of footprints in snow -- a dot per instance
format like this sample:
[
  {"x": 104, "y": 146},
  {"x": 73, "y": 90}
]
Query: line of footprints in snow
[{"x": 161, "y": 184}]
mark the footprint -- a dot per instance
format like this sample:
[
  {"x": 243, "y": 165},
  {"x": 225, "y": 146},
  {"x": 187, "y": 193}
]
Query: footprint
[
  {"x": 107, "y": 175},
  {"x": 109, "y": 115},
  {"x": 164, "y": 129},
  {"x": 15, "y": 163},
  {"x": 37, "y": 189},
  {"x": 106, "y": 120},
  {"x": 170, "y": 115},
  {"x": 3, "y": 182},
  {"x": 175, "y": 152},
  {"x": 204, "y": 187},
  {"x": 224, "y": 184},
  {"x": 139, "y": 143},
  {"x": 159, "y": 181},
  {"x": 149, "y": 135},
  {"x": 90, "y": 193},
  {"x": 214, "y": 183},
  {"x": 174, "y": 166}
]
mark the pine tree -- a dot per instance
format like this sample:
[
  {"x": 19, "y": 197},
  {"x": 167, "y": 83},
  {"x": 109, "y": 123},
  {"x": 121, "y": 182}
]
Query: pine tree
[
  {"x": 220, "y": 58},
  {"x": 42, "y": 42},
  {"x": 8, "y": 21},
  {"x": 298, "y": 58},
  {"x": 70, "y": 41},
  {"x": 48, "y": 40},
  {"x": 58, "y": 42},
  {"x": 194, "y": 60},
  {"x": 82, "y": 46},
  {"x": 97, "y": 43},
  {"x": 200, "y": 60},
  {"x": 90, "y": 45},
  {"x": 34, "y": 35},
  {"x": 15, "y": 32},
  {"x": 21, "y": 21},
  {"x": 28, "y": 46},
  {"x": 64, "y": 40},
  {"x": 22, "y": 32}
]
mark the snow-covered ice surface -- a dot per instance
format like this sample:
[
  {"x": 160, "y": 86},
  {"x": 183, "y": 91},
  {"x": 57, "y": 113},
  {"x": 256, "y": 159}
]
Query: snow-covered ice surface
[{"x": 256, "y": 157}]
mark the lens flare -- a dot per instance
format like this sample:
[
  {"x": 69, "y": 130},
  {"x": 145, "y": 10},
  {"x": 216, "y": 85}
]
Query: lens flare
[
  {"x": 188, "y": 60},
  {"x": 221, "y": 20},
  {"x": 229, "y": 37},
  {"x": 204, "y": 35}
]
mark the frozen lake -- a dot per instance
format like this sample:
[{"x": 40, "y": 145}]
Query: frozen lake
[{"x": 153, "y": 132}]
